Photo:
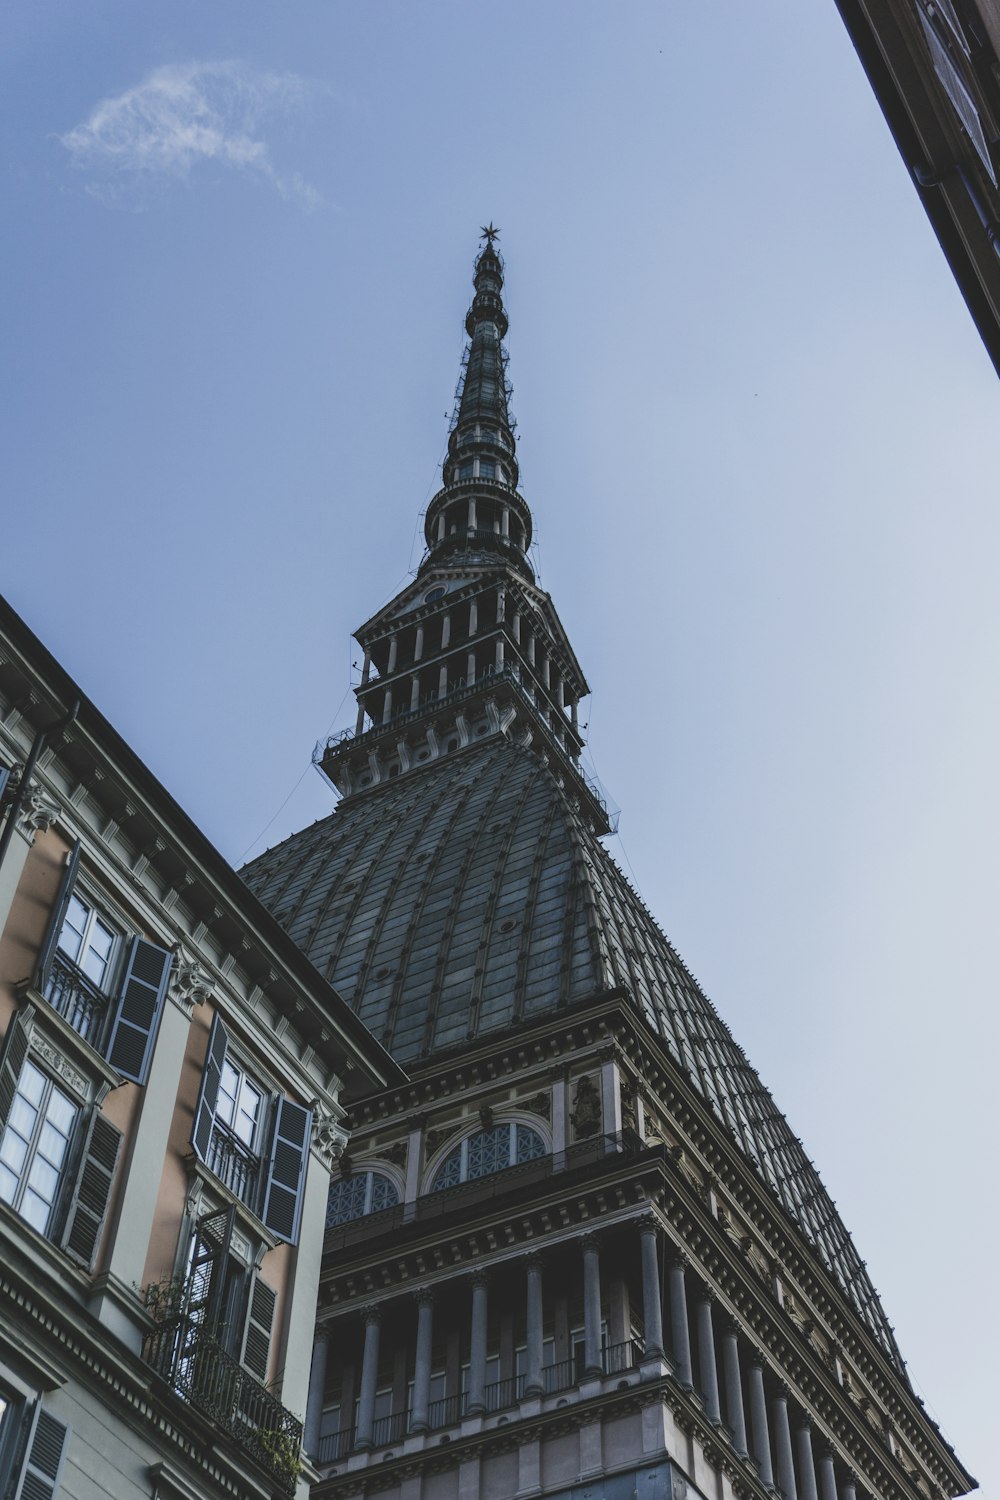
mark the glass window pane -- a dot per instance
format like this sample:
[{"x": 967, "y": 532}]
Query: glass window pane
[
  {"x": 22, "y": 1117},
  {"x": 31, "y": 1084},
  {"x": 52, "y": 1144},
  {"x": 61, "y": 1111},
  {"x": 13, "y": 1150},
  {"x": 43, "y": 1179},
  {"x": 8, "y": 1184},
  {"x": 36, "y": 1210}
]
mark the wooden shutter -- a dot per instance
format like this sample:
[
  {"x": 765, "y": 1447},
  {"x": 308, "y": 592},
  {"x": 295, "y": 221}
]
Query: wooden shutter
[
  {"x": 48, "y": 1439},
  {"x": 286, "y": 1170},
  {"x": 56, "y": 920},
  {"x": 15, "y": 1050},
  {"x": 137, "y": 1012},
  {"x": 88, "y": 1205},
  {"x": 204, "y": 1115},
  {"x": 257, "y": 1335}
]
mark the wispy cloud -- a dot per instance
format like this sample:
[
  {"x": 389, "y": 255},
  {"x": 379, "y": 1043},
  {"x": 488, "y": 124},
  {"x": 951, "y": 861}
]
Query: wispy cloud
[{"x": 184, "y": 117}]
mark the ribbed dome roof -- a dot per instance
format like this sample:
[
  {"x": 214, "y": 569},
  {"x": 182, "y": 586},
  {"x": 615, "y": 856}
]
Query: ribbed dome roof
[{"x": 472, "y": 894}]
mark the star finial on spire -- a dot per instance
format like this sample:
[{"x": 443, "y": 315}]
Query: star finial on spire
[{"x": 488, "y": 233}]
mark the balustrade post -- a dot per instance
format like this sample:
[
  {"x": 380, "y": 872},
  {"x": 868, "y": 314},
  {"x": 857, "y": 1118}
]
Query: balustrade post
[
  {"x": 680, "y": 1337},
  {"x": 734, "y": 1389},
  {"x": 652, "y": 1311},
  {"x": 476, "y": 1402},
  {"x": 533, "y": 1375},
  {"x": 369, "y": 1378},
  {"x": 706, "y": 1358},
  {"x": 783, "y": 1446},
  {"x": 758, "y": 1424},
  {"x": 420, "y": 1412},
  {"x": 592, "y": 1364}
]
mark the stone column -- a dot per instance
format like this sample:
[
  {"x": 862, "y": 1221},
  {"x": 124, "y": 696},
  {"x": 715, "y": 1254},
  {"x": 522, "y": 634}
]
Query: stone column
[
  {"x": 500, "y": 644},
  {"x": 473, "y": 616},
  {"x": 546, "y": 670},
  {"x": 807, "y": 1464},
  {"x": 706, "y": 1358},
  {"x": 827, "y": 1476},
  {"x": 848, "y": 1490},
  {"x": 533, "y": 1385},
  {"x": 504, "y": 521},
  {"x": 443, "y": 680},
  {"x": 445, "y": 631},
  {"x": 387, "y": 706},
  {"x": 573, "y": 714},
  {"x": 531, "y": 648},
  {"x": 472, "y": 513},
  {"x": 652, "y": 1311},
  {"x": 393, "y": 652},
  {"x": 369, "y": 1378},
  {"x": 515, "y": 625},
  {"x": 734, "y": 1389},
  {"x": 317, "y": 1390},
  {"x": 441, "y": 526},
  {"x": 783, "y": 1446},
  {"x": 414, "y": 690},
  {"x": 758, "y": 1424},
  {"x": 418, "y": 649},
  {"x": 592, "y": 1364},
  {"x": 420, "y": 1412},
  {"x": 680, "y": 1338},
  {"x": 366, "y": 670},
  {"x": 476, "y": 1399},
  {"x": 470, "y": 667}
]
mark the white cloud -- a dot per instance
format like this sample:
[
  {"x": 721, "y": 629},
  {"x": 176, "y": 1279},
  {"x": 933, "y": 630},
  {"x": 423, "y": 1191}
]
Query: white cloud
[{"x": 184, "y": 116}]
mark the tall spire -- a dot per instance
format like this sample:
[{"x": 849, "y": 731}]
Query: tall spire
[{"x": 479, "y": 509}]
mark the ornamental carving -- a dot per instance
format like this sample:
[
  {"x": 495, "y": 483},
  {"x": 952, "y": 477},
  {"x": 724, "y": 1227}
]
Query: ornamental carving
[
  {"x": 396, "y": 1153},
  {"x": 38, "y": 812},
  {"x": 59, "y": 1065},
  {"x": 586, "y": 1112},
  {"x": 190, "y": 985},
  {"x": 630, "y": 1118},
  {"x": 541, "y": 1104},
  {"x": 329, "y": 1138}
]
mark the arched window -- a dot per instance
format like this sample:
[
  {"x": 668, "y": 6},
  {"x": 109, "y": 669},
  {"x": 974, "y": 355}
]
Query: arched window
[
  {"x": 361, "y": 1193},
  {"x": 488, "y": 1151}
]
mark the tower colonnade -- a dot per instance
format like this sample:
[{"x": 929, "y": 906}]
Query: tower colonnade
[{"x": 387, "y": 1393}]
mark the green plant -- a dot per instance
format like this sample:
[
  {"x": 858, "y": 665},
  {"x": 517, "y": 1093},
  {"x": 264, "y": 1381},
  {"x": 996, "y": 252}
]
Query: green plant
[
  {"x": 282, "y": 1455},
  {"x": 164, "y": 1299}
]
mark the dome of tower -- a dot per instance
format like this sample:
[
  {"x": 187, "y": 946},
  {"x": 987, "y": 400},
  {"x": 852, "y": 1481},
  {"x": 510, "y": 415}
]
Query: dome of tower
[{"x": 474, "y": 894}]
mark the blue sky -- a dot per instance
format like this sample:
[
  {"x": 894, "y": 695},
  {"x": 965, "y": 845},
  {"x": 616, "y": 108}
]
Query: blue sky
[{"x": 757, "y": 434}]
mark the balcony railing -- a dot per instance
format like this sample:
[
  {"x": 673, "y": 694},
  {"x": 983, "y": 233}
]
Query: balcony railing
[
  {"x": 235, "y": 1164},
  {"x": 500, "y": 1395},
  {"x": 205, "y": 1374},
  {"x": 78, "y": 999}
]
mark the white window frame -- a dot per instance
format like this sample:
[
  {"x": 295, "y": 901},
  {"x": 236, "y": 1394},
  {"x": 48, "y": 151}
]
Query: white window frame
[{"x": 34, "y": 1145}]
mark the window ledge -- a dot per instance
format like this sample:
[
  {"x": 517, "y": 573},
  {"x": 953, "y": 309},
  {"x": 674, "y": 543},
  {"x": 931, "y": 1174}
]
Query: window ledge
[
  {"x": 41, "y": 1020},
  {"x": 226, "y": 1197}
]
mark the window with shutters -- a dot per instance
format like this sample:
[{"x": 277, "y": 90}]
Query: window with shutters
[
  {"x": 57, "y": 1157},
  {"x": 39, "y": 1460},
  {"x": 213, "y": 1343},
  {"x": 255, "y": 1142},
  {"x": 108, "y": 984}
]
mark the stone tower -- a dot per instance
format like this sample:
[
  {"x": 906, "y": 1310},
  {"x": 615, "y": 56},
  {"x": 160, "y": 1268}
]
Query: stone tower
[{"x": 581, "y": 1253}]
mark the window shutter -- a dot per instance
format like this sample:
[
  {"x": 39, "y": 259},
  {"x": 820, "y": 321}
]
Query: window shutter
[
  {"x": 88, "y": 1206},
  {"x": 15, "y": 1050},
  {"x": 48, "y": 1439},
  {"x": 56, "y": 920},
  {"x": 136, "y": 1016},
  {"x": 204, "y": 1115},
  {"x": 286, "y": 1170},
  {"x": 257, "y": 1336}
]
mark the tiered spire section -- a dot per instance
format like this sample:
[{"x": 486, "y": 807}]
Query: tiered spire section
[
  {"x": 479, "y": 508},
  {"x": 472, "y": 648}
]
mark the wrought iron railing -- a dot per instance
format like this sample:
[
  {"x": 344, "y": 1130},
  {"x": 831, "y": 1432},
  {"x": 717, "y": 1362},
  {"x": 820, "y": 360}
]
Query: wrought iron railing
[
  {"x": 77, "y": 998},
  {"x": 200, "y": 1370},
  {"x": 617, "y": 1358},
  {"x": 235, "y": 1164},
  {"x": 447, "y": 1411}
]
